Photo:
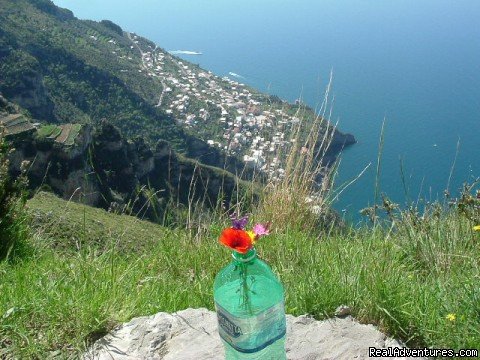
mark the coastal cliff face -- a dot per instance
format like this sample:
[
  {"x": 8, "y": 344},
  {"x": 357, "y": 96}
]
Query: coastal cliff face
[
  {"x": 101, "y": 168},
  {"x": 176, "y": 133},
  {"x": 339, "y": 142},
  {"x": 64, "y": 70}
]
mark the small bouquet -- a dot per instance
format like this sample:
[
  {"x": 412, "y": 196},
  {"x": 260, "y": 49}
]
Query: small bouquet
[
  {"x": 239, "y": 239},
  {"x": 242, "y": 242}
]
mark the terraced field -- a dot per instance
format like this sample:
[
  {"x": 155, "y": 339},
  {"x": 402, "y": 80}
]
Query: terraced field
[
  {"x": 62, "y": 134},
  {"x": 73, "y": 133},
  {"x": 15, "y": 124},
  {"x": 49, "y": 131},
  {"x": 62, "y": 138}
]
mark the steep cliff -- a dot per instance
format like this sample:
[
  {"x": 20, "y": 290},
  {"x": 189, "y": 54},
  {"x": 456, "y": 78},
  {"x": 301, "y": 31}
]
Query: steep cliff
[{"x": 99, "y": 167}]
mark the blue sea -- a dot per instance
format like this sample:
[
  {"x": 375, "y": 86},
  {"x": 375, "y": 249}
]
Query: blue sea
[{"x": 414, "y": 65}]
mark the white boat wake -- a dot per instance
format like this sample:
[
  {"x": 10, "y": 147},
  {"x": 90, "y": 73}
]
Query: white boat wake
[
  {"x": 236, "y": 75},
  {"x": 184, "y": 52}
]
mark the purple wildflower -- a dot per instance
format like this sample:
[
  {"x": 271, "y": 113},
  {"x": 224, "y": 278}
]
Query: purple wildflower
[{"x": 239, "y": 223}]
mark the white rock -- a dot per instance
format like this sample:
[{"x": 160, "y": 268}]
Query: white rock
[
  {"x": 192, "y": 334},
  {"x": 343, "y": 310}
]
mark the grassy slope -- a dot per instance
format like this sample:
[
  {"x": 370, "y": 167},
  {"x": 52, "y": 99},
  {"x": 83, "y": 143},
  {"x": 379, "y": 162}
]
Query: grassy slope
[{"x": 63, "y": 298}]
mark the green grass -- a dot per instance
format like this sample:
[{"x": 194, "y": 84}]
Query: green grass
[
  {"x": 74, "y": 131},
  {"x": 14, "y": 230},
  {"x": 68, "y": 226},
  {"x": 91, "y": 270},
  {"x": 49, "y": 131}
]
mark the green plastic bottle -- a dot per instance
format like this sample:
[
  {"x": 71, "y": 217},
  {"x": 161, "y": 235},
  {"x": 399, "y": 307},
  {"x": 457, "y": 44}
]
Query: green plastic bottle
[{"x": 250, "y": 309}]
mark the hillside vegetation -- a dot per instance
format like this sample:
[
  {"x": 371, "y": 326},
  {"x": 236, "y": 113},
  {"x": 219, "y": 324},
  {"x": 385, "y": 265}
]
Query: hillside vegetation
[
  {"x": 89, "y": 270},
  {"x": 65, "y": 70},
  {"x": 49, "y": 67}
]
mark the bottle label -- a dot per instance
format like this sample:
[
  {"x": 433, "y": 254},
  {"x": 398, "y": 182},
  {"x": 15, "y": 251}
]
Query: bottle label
[{"x": 252, "y": 334}]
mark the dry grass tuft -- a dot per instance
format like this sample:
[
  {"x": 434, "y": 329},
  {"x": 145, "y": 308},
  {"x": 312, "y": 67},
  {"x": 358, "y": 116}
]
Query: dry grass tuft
[{"x": 300, "y": 197}]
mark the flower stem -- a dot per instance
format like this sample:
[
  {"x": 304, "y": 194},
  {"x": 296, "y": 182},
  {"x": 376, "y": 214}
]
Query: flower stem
[{"x": 245, "y": 290}]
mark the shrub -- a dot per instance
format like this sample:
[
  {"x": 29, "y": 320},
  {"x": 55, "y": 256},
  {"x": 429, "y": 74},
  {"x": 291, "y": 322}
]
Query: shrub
[
  {"x": 112, "y": 26},
  {"x": 13, "y": 228}
]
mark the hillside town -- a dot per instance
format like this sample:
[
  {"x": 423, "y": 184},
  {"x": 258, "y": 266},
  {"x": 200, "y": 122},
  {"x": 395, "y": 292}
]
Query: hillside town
[{"x": 245, "y": 124}]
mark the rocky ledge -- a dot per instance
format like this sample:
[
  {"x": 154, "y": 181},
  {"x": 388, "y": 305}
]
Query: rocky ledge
[
  {"x": 192, "y": 334},
  {"x": 100, "y": 167}
]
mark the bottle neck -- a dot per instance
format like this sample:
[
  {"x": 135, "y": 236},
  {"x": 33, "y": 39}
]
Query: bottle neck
[{"x": 244, "y": 258}]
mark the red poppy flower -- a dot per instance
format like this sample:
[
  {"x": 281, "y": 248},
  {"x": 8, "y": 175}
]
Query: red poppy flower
[{"x": 236, "y": 239}]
